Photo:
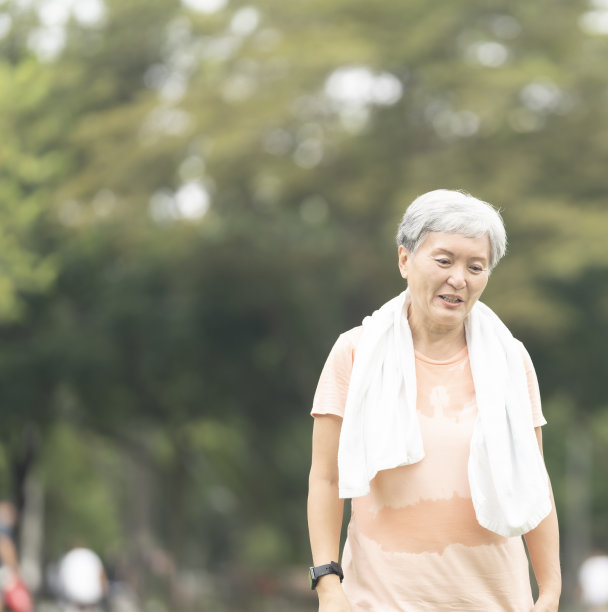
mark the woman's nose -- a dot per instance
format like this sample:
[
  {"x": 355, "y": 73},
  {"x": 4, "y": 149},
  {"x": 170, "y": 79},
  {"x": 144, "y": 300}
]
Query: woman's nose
[{"x": 457, "y": 279}]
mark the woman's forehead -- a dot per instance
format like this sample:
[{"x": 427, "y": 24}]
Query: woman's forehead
[{"x": 457, "y": 244}]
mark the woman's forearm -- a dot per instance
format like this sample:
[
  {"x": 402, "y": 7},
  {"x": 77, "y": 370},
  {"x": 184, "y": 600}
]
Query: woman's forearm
[
  {"x": 325, "y": 511},
  {"x": 325, "y": 508},
  {"x": 543, "y": 547}
]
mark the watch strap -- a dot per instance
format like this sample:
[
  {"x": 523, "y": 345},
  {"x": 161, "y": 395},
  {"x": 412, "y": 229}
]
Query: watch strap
[{"x": 323, "y": 570}]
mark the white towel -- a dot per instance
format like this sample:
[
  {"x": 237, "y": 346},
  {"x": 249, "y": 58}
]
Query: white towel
[{"x": 380, "y": 430}]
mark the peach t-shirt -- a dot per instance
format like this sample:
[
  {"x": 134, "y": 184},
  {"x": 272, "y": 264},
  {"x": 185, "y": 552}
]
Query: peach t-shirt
[{"x": 414, "y": 544}]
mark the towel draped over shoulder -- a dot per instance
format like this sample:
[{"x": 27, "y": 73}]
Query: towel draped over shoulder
[{"x": 507, "y": 476}]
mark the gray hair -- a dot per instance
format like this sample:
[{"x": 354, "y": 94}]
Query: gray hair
[{"x": 454, "y": 212}]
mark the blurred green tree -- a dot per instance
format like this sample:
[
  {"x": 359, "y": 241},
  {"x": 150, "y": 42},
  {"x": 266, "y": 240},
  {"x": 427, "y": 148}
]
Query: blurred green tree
[{"x": 196, "y": 202}]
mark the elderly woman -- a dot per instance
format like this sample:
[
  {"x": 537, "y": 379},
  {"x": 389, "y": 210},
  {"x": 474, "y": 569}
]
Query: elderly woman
[{"x": 428, "y": 416}]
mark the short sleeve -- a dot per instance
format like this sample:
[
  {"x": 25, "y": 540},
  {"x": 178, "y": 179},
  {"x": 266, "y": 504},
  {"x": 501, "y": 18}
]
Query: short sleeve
[
  {"x": 332, "y": 388},
  {"x": 538, "y": 418}
]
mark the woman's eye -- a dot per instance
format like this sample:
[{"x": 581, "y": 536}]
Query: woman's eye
[
  {"x": 477, "y": 268},
  {"x": 443, "y": 262}
]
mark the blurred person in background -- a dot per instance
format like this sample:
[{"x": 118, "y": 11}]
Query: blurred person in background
[
  {"x": 428, "y": 417},
  {"x": 15, "y": 594},
  {"x": 81, "y": 580},
  {"x": 593, "y": 583},
  {"x": 8, "y": 522}
]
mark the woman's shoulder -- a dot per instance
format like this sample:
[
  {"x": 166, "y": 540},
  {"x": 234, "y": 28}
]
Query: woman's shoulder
[
  {"x": 351, "y": 336},
  {"x": 347, "y": 341},
  {"x": 524, "y": 353},
  {"x": 343, "y": 350}
]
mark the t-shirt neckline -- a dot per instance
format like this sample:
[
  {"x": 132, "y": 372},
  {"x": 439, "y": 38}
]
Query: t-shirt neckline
[{"x": 459, "y": 356}]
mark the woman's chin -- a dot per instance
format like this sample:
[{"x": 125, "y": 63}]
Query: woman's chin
[{"x": 450, "y": 316}]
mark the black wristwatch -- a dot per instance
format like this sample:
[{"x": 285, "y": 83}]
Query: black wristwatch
[{"x": 314, "y": 573}]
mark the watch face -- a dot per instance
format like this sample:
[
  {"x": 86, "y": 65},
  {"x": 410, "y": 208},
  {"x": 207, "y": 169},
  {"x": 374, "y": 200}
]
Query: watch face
[{"x": 311, "y": 577}]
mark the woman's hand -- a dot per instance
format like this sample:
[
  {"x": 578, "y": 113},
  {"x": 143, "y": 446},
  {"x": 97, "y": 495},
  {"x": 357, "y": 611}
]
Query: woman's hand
[{"x": 331, "y": 595}]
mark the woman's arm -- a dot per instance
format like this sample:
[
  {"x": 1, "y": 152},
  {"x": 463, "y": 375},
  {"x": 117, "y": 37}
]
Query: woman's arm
[
  {"x": 543, "y": 546},
  {"x": 325, "y": 510}
]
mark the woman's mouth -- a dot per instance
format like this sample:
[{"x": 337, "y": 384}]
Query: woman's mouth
[{"x": 451, "y": 299}]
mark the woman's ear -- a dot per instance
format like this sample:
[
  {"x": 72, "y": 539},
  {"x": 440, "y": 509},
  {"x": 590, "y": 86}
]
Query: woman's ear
[{"x": 404, "y": 257}]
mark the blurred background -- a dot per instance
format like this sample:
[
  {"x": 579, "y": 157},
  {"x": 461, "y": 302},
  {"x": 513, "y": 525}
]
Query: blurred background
[{"x": 196, "y": 198}]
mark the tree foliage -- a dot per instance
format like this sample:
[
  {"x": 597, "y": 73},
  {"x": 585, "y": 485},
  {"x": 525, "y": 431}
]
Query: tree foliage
[{"x": 195, "y": 203}]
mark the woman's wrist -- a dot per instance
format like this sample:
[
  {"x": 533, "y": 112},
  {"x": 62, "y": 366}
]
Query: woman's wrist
[
  {"x": 549, "y": 597},
  {"x": 550, "y": 589},
  {"x": 330, "y": 583}
]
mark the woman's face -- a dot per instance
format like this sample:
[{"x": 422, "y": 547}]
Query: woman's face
[{"x": 446, "y": 276}]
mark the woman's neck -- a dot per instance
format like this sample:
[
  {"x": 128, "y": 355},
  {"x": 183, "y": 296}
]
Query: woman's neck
[{"x": 437, "y": 342}]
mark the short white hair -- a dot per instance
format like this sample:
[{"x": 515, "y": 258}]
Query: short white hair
[{"x": 453, "y": 212}]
